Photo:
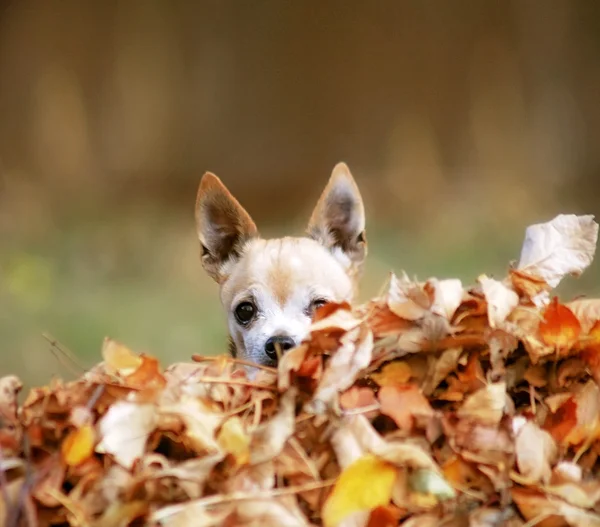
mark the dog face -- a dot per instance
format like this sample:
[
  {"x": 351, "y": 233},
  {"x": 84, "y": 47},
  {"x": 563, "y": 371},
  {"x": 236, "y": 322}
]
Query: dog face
[{"x": 271, "y": 288}]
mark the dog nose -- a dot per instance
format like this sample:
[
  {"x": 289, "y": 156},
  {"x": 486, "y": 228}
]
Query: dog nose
[{"x": 284, "y": 343}]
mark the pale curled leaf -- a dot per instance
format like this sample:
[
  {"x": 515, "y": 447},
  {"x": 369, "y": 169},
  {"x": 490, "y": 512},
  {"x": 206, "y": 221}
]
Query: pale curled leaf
[
  {"x": 500, "y": 300},
  {"x": 191, "y": 514},
  {"x": 486, "y": 405},
  {"x": 200, "y": 421},
  {"x": 564, "y": 245},
  {"x": 264, "y": 512},
  {"x": 124, "y": 430},
  {"x": 10, "y": 386},
  {"x": 404, "y": 454},
  {"x": 268, "y": 440},
  {"x": 426, "y": 481},
  {"x": 536, "y": 452},
  {"x": 448, "y": 296},
  {"x": 353, "y": 356},
  {"x": 587, "y": 311},
  {"x": 537, "y": 505},
  {"x": 354, "y": 438},
  {"x": 407, "y": 299}
]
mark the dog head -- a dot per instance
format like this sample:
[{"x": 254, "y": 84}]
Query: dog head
[{"x": 270, "y": 288}]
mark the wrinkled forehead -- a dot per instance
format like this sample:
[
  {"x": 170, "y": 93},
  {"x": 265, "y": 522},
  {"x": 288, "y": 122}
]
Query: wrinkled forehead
[{"x": 285, "y": 266}]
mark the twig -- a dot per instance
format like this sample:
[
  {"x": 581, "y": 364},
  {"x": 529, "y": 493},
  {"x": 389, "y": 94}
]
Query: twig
[
  {"x": 201, "y": 358},
  {"x": 238, "y": 382},
  {"x": 362, "y": 409},
  {"x": 295, "y": 444},
  {"x": 211, "y": 501},
  {"x": 538, "y": 519},
  {"x": 95, "y": 396},
  {"x": 70, "y": 505},
  {"x": 60, "y": 352},
  {"x": 4, "y": 484}
]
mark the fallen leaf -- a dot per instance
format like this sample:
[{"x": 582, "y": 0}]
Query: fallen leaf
[
  {"x": 364, "y": 485},
  {"x": 431, "y": 483},
  {"x": 147, "y": 375},
  {"x": 500, "y": 300},
  {"x": 353, "y": 356},
  {"x": 536, "y": 453},
  {"x": 78, "y": 446},
  {"x": 404, "y": 405},
  {"x": 124, "y": 430},
  {"x": 485, "y": 405},
  {"x": 357, "y": 398},
  {"x": 587, "y": 311},
  {"x": 394, "y": 373},
  {"x": 10, "y": 386},
  {"x": 406, "y": 299},
  {"x": 268, "y": 440},
  {"x": 548, "y": 512},
  {"x": 233, "y": 439},
  {"x": 447, "y": 296},
  {"x": 565, "y": 245},
  {"x": 384, "y": 516},
  {"x": 119, "y": 358},
  {"x": 560, "y": 327}
]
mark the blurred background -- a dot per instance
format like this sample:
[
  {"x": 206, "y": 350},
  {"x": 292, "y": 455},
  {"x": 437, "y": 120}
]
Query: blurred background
[{"x": 463, "y": 122}]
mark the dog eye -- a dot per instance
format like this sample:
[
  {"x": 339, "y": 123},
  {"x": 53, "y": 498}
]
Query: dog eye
[
  {"x": 245, "y": 312},
  {"x": 316, "y": 304}
]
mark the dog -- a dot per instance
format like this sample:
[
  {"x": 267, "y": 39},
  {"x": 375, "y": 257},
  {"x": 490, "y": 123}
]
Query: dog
[{"x": 271, "y": 288}]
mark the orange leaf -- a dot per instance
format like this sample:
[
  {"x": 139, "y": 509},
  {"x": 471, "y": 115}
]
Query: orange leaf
[
  {"x": 363, "y": 486},
  {"x": 78, "y": 446},
  {"x": 560, "y": 423},
  {"x": 358, "y": 397},
  {"x": 393, "y": 374},
  {"x": 560, "y": 327},
  {"x": 384, "y": 516},
  {"x": 403, "y": 405},
  {"x": 147, "y": 374},
  {"x": 591, "y": 352}
]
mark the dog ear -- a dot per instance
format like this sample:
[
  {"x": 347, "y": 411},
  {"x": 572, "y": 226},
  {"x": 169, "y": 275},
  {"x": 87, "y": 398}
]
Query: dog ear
[
  {"x": 223, "y": 225},
  {"x": 338, "y": 220}
]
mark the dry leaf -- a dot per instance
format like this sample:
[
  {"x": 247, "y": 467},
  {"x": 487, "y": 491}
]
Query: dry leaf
[
  {"x": 394, "y": 373},
  {"x": 124, "y": 430},
  {"x": 559, "y": 327},
  {"x": 78, "y": 446},
  {"x": 536, "y": 452},
  {"x": 269, "y": 440},
  {"x": 364, "y": 485},
  {"x": 448, "y": 295},
  {"x": 234, "y": 440},
  {"x": 500, "y": 300},
  {"x": 565, "y": 245},
  {"x": 485, "y": 406},
  {"x": 404, "y": 405}
]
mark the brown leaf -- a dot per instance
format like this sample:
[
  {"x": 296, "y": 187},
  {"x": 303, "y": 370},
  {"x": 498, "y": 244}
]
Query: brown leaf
[
  {"x": 404, "y": 405},
  {"x": 535, "y": 451},
  {"x": 485, "y": 406},
  {"x": 548, "y": 512}
]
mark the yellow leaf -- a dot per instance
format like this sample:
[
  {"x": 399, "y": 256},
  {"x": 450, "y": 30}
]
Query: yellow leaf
[
  {"x": 364, "y": 485},
  {"x": 120, "y": 358},
  {"x": 233, "y": 439},
  {"x": 78, "y": 445}
]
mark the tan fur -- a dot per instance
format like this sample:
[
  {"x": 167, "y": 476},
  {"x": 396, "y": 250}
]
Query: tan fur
[{"x": 281, "y": 277}]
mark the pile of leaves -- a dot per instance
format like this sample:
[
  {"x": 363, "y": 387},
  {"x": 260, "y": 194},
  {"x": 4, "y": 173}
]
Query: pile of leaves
[{"x": 435, "y": 404}]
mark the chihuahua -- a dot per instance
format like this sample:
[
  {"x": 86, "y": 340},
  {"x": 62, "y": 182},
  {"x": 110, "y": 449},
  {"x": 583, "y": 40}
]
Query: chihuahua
[{"x": 270, "y": 288}]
